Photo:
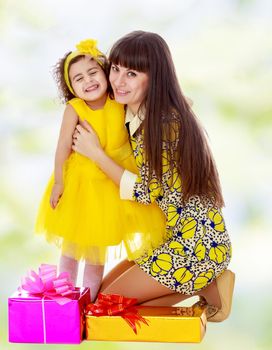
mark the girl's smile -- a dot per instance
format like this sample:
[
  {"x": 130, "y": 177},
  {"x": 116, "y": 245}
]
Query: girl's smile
[
  {"x": 92, "y": 88},
  {"x": 89, "y": 82}
]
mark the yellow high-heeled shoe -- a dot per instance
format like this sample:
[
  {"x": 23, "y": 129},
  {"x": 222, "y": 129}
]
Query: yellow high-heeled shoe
[{"x": 225, "y": 286}]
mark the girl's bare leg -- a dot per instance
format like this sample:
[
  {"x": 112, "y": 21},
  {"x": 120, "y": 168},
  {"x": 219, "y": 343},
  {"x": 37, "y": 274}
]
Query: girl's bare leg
[
  {"x": 115, "y": 273},
  {"x": 136, "y": 283},
  {"x": 92, "y": 278},
  {"x": 70, "y": 265}
]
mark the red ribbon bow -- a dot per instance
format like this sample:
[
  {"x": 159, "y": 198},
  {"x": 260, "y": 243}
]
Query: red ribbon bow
[
  {"x": 113, "y": 305},
  {"x": 48, "y": 284}
]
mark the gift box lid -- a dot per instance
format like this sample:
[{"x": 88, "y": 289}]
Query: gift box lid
[{"x": 21, "y": 295}]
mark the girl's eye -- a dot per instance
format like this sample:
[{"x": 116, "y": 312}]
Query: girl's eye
[
  {"x": 79, "y": 79},
  {"x": 92, "y": 73}
]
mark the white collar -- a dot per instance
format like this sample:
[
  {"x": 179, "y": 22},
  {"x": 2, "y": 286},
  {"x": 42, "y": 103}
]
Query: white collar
[{"x": 134, "y": 121}]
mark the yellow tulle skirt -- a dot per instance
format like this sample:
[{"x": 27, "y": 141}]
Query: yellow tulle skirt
[{"x": 90, "y": 216}]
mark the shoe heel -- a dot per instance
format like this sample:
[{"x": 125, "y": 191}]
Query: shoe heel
[{"x": 225, "y": 285}]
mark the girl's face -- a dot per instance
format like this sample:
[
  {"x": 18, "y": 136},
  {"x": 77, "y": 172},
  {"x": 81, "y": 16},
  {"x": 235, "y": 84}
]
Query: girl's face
[
  {"x": 129, "y": 86},
  {"x": 89, "y": 82}
]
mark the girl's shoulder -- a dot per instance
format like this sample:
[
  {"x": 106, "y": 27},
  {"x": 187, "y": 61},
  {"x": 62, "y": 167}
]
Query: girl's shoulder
[
  {"x": 114, "y": 108},
  {"x": 80, "y": 107},
  {"x": 112, "y": 103},
  {"x": 76, "y": 102}
]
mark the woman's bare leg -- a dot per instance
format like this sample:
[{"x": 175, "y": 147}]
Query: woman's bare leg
[
  {"x": 167, "y": 300},
  {"x": 136, "y": 283},
  {"x": 115, "y": 273},
  {"x": 127, "y": 278},
  {"x": 210, "y": 294}
]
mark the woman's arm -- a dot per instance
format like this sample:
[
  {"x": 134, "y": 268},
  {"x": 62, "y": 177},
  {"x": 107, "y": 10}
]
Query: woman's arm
[
  {"x": 132, "y": 186},
  {"x": 64, "y": 147},
  {"x": 87, "y": 143}
]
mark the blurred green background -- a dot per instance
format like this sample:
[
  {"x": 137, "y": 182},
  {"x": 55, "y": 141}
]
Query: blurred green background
[{"x": 223, "y": 56}]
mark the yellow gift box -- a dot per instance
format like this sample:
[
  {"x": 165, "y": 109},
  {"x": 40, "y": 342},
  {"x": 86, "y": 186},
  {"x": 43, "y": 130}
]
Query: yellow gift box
[{"x": 166, "y": 324}]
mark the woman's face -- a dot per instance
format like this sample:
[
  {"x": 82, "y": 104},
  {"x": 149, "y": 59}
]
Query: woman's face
[{"x": 129, "y": 86}]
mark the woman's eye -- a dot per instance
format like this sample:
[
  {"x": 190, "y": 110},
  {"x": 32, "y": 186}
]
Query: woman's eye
[
  {"x": 79, "y": 79},
  {"x": 114, "y": 68},
  {"x": 131, "y": 74}
]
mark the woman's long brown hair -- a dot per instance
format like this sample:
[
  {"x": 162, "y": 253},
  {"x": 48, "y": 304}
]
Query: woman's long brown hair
[{"x": 168, "y": 112}]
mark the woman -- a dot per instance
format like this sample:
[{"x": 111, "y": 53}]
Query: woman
[{"x": 177, "y": 172}]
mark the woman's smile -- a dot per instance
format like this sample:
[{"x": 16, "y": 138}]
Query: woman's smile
[
  {"x": 129, "y": 86},
  {"x": 121, "y": 92}
]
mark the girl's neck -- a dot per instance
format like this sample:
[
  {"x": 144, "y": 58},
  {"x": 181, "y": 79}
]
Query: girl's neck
[{"x": 97, "y": 104}]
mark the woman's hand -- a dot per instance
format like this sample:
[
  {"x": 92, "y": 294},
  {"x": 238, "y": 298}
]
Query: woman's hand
[
  {"x": 56, "y": 193},
  {"x": 86, "y": 142}
]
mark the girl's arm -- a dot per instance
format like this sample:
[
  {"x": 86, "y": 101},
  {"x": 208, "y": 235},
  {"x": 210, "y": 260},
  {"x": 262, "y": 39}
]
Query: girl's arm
[{"x": 64, "y": 148}]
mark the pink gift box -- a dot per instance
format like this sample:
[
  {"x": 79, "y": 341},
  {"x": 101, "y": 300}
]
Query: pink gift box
[{"x": 33, "y": 319}]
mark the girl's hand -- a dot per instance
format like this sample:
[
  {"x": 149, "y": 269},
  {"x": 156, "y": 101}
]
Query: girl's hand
[
  {"x": 56, "y": 193},
  {"x": 86, "y": 142}
]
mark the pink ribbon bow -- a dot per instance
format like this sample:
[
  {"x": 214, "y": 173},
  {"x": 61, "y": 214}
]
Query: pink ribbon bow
[{"x": 48, "y": 284}]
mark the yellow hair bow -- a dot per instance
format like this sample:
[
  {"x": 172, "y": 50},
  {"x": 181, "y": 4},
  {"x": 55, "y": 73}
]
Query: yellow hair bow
[{"x": 84, "y": 47}]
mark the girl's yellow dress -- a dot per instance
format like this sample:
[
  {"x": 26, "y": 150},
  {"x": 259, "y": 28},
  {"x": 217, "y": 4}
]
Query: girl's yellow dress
[{"x": 90, "y": 215}]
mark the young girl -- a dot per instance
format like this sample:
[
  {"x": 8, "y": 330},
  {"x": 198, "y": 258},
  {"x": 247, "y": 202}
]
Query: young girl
[
  {"x": 81, "y": 210},
  {"x": 176, "y": 170}
]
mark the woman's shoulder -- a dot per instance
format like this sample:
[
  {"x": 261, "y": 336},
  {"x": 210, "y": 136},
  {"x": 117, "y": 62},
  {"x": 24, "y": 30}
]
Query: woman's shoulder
[{"x": 171, "y": 126}]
